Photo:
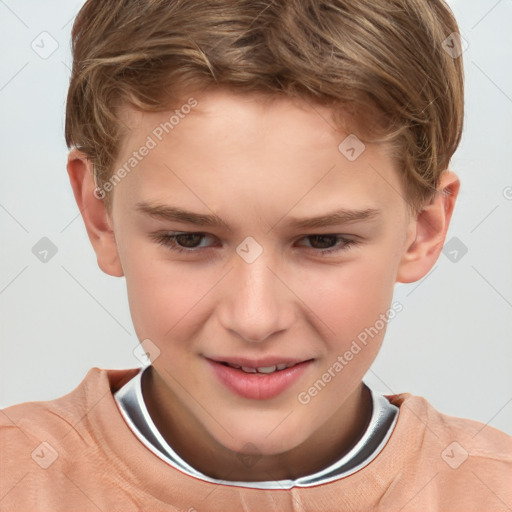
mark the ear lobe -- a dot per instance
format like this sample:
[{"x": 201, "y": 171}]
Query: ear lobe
[
  {"x": 96, "y": 218},
  {"x": 428, "y": 231}
]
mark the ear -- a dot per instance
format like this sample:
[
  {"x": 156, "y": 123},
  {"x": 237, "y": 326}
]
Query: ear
[
  {"x": 427, "y": 231},
  {"x": 96, "y": 218}
]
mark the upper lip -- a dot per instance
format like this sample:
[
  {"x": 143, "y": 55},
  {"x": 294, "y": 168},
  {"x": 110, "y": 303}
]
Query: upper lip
[{"x": 258, "y": 363}]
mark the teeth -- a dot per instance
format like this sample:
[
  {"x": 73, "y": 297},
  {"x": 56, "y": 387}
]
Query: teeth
[
  {"x": 260, "y": 369},
  {"x": 266, "y": 369}
]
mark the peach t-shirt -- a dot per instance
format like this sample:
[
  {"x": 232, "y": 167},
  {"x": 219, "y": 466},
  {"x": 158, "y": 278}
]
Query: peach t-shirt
[{"x": 77, "y": 453}]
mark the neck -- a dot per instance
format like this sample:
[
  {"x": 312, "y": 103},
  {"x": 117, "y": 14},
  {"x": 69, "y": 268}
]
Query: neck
[{"x": 190, "y": 440}]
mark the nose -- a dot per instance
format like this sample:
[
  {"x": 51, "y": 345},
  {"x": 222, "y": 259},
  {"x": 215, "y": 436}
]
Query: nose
[{"x": 256, "y": 303}]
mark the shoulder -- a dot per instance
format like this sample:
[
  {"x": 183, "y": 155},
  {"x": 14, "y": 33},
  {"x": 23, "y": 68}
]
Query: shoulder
[
  {"x": 481, "y": 438},
  {"x": 56, "y": 417},
  {"x": 34, "y": 435},
  {"x": 462, "y": 463}
]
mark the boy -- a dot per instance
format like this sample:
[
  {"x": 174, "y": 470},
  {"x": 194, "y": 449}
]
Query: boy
[{"x": 262, "y": 173}]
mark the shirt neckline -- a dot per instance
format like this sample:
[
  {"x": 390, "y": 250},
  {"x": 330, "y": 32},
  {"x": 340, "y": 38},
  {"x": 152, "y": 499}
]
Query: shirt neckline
[{"x": 130, "y": 401}]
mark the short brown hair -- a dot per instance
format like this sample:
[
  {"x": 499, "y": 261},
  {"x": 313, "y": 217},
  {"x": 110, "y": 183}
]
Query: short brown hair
[{"x": 382, "y": 61}]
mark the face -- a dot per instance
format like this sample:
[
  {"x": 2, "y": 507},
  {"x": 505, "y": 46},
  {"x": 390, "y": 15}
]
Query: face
[{"x": 289, "y": 252}]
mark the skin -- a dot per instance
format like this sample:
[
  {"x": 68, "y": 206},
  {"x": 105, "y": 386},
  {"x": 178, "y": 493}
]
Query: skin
[{"x": 258, "y": 164}]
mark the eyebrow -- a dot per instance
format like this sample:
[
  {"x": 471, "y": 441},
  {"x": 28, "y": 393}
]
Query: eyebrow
[{"x": 173, "y": 213}]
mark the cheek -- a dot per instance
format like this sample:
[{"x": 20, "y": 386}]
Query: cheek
[
  {"x": 351, "y": 297},
  {"x": 161, "y": 293},
  {"x": 354, "y": 302}
]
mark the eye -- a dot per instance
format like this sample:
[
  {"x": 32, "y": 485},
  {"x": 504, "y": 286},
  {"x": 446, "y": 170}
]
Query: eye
[
  {"x": 188, "y": 240},
  {"x": 181, "y": 242},
  {"x": 328, "y": 244}
]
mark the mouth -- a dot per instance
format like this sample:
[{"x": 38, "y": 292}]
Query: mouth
[{"x": 258, "y": 379}]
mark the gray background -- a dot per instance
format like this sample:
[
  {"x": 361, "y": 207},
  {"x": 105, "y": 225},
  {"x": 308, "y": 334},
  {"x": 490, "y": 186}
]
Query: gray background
[{"x": 450, "y": 344}]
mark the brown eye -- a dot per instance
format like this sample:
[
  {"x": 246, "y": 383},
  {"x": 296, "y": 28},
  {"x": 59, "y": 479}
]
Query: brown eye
[
  {"x": 326, "y": 244},
  {"x": 187, "y": 243},
  {"x": 189, "y": 240},
  {"x": 322, "y": 241}
]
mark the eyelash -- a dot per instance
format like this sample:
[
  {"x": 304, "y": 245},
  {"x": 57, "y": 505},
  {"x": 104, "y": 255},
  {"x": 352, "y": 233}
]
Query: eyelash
[{"x": 169, "y": 241}]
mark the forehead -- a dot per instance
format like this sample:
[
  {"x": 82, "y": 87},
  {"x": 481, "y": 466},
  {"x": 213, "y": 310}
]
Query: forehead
[
  {"x": 221, "y": 111},
  {"x": 256, "y": 146}
]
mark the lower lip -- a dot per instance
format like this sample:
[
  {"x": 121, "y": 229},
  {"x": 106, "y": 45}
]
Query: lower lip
[{"x": 258, "y": 386}]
